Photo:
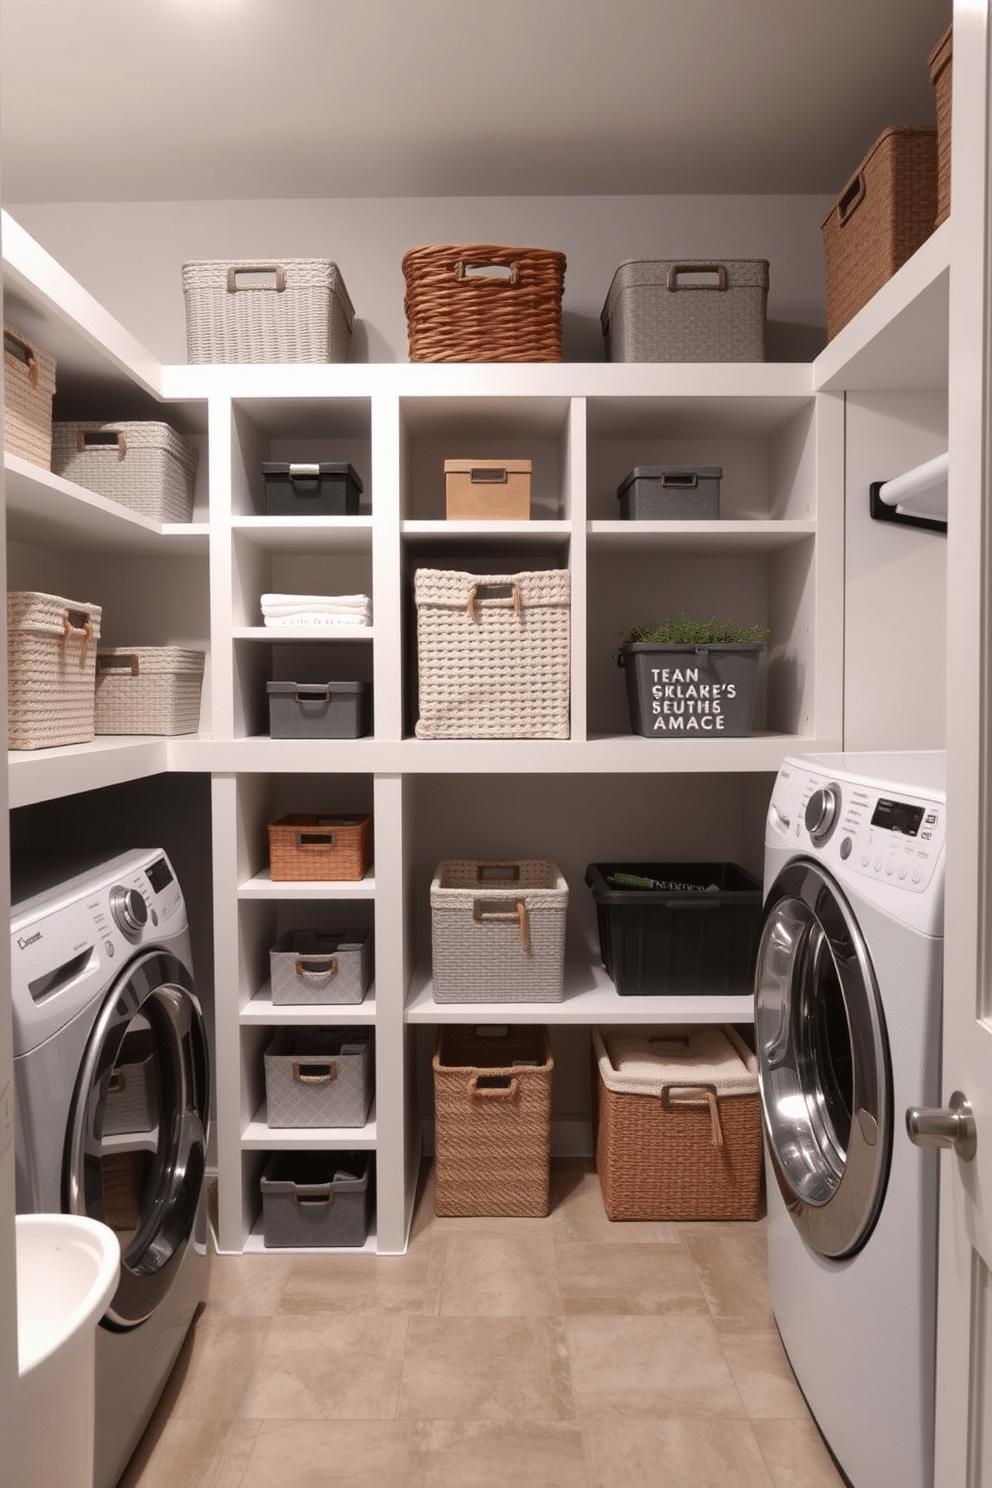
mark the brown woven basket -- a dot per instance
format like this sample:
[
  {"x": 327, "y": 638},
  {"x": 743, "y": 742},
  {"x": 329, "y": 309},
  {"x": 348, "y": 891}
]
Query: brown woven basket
[
  {"x": 459, "y": 311},
  {"x": 659, "y": 1159},
  {"x": 306, "y": 847},
  {"x": 940, "y": 76},
  {"x": 886, "y": 210},
  {"x": 492, "y": 1120}
]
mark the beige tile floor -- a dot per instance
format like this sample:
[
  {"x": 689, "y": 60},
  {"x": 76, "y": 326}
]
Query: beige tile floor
[{"x": 565, "y": 1352}]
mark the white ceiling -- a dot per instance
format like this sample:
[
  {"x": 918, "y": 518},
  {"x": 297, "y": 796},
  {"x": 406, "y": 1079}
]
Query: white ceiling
[{"x": 131, "y": 100}]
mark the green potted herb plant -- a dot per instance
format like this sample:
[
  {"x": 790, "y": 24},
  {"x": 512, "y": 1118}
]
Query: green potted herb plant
[{"x": 693, "y": 679}]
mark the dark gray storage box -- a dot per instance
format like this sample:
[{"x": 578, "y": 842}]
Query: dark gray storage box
[
  {"x": 319, "y": 1076},
  {"x": 319, "y": 710},
  {"x": 690, "y": 692},
  {"x": 671, "y": 493},
  {"x": 687, "y": 310},
  {"x": 314, "y": 966},
  {"x": 325, "y": 489},
  {"x": 312, "y": 1199}
]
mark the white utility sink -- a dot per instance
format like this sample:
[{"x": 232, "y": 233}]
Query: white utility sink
[{"x": 67, "y": 1271}]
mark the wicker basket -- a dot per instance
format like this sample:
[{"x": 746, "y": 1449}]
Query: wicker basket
[
  {"x": 148, "y": 690},
  {"x": 493, "y": 654},
  {"x": 677, "y": 1123},
  {"x": 309, "y": 848},
  {"x": 492, "y": 1107},
  {"x": 940, "y": 76},
  {"x": 498, "y": 931},
  {"x": 28, "y": 389},
  {"x": 51, "y": 665},
  {"x": 287, "y": 310},
  {"x": 458, "y": 310},
  {"x": 143, "y": 466},
  {"x": 887, "y": 209}
]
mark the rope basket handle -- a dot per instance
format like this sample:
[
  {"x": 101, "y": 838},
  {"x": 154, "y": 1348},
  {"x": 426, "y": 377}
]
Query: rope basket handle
[
  {"x": 323, "y": 1072},
  {"x": 490, "y": 591},
  {"x": 69, "y": 631},
  {"x": 311, "y": 970},
  {"x": 482, "y": 914},
  {"x": 695, "y": 1095},
  {"x": 22, "y": 352},
  {"x": 313, "y": 1200},
  {"x": 493, "y": 1092}
]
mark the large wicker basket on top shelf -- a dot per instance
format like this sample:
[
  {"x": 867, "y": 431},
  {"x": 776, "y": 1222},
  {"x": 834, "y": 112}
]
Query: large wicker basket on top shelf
[
  {"x": 476, "y": 302},
  {"x": 940, "y": 76}
]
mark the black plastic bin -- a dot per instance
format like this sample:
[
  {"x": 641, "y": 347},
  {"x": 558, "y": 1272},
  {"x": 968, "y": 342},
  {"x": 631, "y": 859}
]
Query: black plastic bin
[
  {"x": 697, "y": 936},
  {"x": 325, "y": 489}
]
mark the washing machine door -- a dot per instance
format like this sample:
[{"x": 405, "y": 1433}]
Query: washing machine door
[
  {"x": 823, "y": 1061},
  {"x": 136, "y": 1145}
]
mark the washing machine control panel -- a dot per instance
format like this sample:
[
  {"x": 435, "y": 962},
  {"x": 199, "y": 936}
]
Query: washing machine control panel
[{"x": 892, "y": 837}]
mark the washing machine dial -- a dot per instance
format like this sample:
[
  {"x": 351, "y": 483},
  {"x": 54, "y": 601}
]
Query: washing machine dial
[
  {"x": 129, "y": 910},
  {"x": 821, "y": 812}
]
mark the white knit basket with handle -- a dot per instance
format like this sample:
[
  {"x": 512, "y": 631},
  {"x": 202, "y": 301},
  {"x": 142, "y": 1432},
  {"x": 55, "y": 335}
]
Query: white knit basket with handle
[
  {"x": 28, "y": 389},
  {"x": 51, "y": 663},
  {"x": 148, "y": 690},
  {"x": 498, "y": 931},
  {"x": 493, "y": 654},
  {"x": 271, "y": 310},
  {"x": 143, "y": 466}
]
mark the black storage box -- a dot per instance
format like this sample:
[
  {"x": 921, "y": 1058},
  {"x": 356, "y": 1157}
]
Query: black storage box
[
  {"x": 671, "y": 493},
  {"x": 319, "y": 710},
  {"x": 316, "y": 1199},
  {"x": 694, "y": 935},
  {"x": 327, "y": 489}
]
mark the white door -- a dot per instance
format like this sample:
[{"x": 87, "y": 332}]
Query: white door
[{"x": 964, "y": 1294}]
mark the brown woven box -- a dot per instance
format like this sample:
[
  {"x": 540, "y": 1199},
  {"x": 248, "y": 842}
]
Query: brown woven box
[
  {"x": 28, "y": 389},
  {"x": 886, "y": 210},
  {"x": 148, "y": 690},
  {"x": 477, "y": 302},
  {"x": 51, "y": 663},
  {"x": 492, "y": 1107},
  {"x": 307, "y": 847},
  {"x": 487, "y": 490},
  {"x": 940, "y": 76},
  {"x": 677, "y": 1122},
  {"x": 144, "y": 466}
]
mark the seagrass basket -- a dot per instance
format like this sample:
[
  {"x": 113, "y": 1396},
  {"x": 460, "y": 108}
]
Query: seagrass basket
[
  {"x": 306, "y": 847},
  {"x": 477, "y": 302},
  {"x": 51, "y": 666},
  {"x": 676, "y": 1123},
  {"x": 28, "y": 389},
  {"x": 148, "y": 690},
  {"x": 940, "y": 76},
  {"x": 144, "y": 466},
  {"x": 886, "y": 210},
  {"x": 493, "y": 654},
  {"x": 492, "y": 1110},
  {"x": 277, "y": 310}
]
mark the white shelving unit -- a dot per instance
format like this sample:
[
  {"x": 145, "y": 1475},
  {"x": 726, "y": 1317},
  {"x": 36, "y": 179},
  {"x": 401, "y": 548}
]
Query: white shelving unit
[{"x": 775, "y": 557}]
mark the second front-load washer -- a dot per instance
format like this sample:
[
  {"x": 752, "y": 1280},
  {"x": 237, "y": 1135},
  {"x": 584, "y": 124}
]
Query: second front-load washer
[
  {"x": 847, "y": 1028},
  {"x": 111, "y": 1092}
]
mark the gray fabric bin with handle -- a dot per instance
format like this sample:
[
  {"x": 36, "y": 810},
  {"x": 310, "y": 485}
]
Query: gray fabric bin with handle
[
  {"x": 319, "y": 1077},
  {"x": 312, "y": 1199},
  {"x": 687, "y": 310},
  {"x": 671, "y": 493},
  {"x": 313, "y": 966},
  {"x": 319, "y": 710}
]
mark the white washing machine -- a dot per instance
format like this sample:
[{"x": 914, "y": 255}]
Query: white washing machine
[
  {"x": 111, "y": 1090},
  {"x": 847, "y": 1025}
]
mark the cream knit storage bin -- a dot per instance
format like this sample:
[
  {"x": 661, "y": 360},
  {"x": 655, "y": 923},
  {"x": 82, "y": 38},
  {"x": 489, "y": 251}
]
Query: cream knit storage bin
[
  {"x": 51, "y": 664},
  {"x": 498, "y": 931},
  {"x": 286, "y": 310},
  {"x": 143, "y": 466},
  {"x": 148, "y": 690},
  {"x": 493, "y": 654},
  {"x": 28, "y": 389}
]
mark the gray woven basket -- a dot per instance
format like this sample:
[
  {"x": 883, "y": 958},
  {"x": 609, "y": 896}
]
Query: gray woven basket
[
  {"x": 687, "y": 310},
  {"x": 51, "y": 663},
  {"x": 493, "y": 654},
  {"x": 143, "y": 466},
  {"x": 498, "y": 931},
  {"x": 28, "y": 389},
  {"x": 286, "y": 310},
  {"x": 148, "y": 690}
]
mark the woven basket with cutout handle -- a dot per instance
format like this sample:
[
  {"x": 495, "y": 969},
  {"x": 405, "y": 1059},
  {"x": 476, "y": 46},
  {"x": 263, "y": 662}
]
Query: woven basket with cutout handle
[{"x": 478, "y": 302}]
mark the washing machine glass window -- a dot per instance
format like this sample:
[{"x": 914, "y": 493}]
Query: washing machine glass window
[
  {"x": 823, "y": 1061},
  {"x": 137, "y": 1135}
]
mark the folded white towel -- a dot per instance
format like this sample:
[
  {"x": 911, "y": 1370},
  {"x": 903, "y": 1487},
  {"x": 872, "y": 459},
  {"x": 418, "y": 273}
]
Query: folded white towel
[{"x": 277, "y": 603}]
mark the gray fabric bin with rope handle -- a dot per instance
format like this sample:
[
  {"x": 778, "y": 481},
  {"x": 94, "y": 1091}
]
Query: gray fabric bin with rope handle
[
  {"x": 493, "y": 654},
  {"x": 688, "y": 310},
  {"x": 676, "y": 1122},
  {"x": 315, "y": 1199},
  {"x": 319, "y": 1076},
  {"x": 51, "y": 670},
  {"x": 144, "y": 466},
  {"x": 314, "y": 966},
  {"x": 498, "y": 931}
]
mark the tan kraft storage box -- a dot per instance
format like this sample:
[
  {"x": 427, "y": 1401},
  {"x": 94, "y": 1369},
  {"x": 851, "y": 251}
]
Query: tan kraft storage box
[{"x": 487, "y": 490}]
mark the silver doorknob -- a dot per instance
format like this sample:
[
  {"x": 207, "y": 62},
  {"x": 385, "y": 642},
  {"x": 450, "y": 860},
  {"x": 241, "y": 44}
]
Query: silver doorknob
[{"x": 950, "y": 1126}]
